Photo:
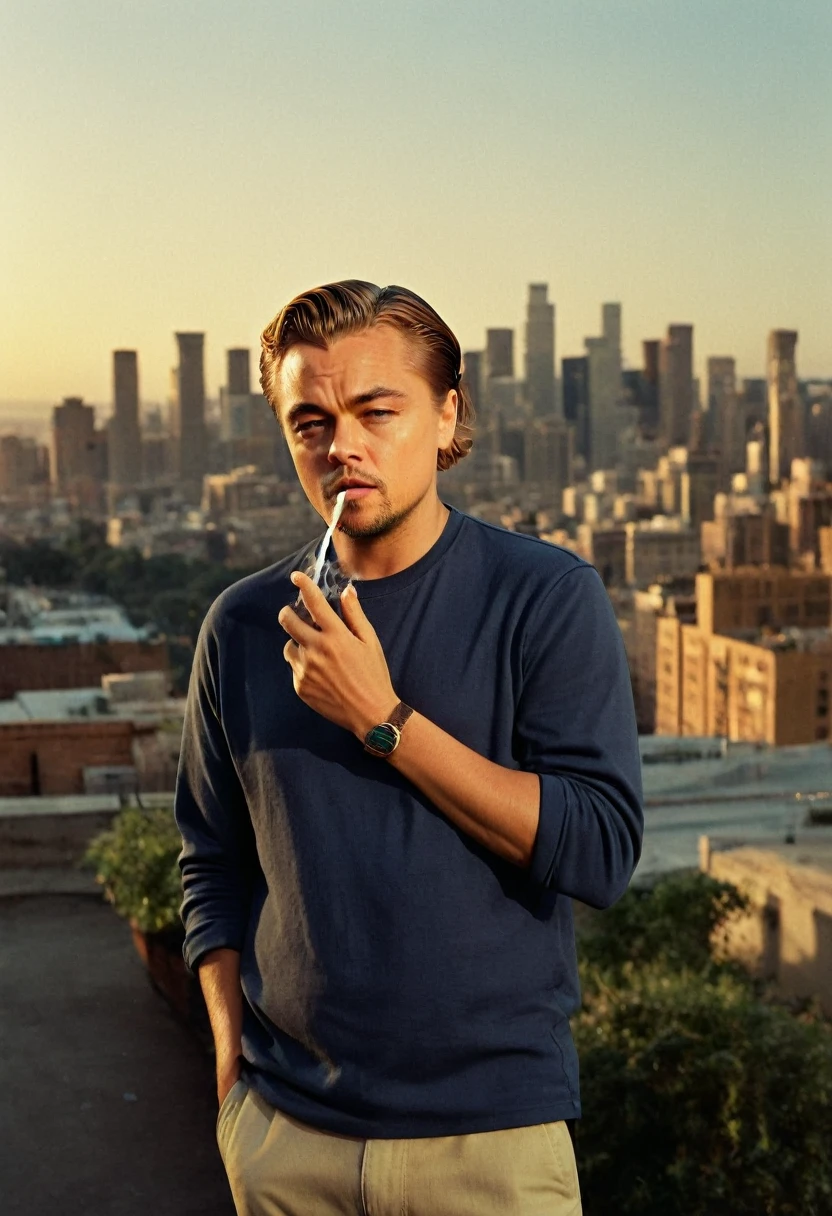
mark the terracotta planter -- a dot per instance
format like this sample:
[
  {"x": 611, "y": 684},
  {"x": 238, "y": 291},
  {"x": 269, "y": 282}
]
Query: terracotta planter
[{"x": 161, "y": 953}]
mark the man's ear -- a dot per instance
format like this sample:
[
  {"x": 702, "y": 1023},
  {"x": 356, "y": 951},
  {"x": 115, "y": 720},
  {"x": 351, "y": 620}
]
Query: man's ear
[{"x": 449, "y": 412}]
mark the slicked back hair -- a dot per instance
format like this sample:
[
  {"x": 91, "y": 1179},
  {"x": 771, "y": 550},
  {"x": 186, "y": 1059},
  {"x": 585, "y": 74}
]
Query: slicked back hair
[{"x": 324, "y": 314}]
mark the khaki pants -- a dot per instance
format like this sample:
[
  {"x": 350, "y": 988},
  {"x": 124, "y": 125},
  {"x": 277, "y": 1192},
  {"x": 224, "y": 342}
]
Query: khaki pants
[{"x": 278, "y": 1166}]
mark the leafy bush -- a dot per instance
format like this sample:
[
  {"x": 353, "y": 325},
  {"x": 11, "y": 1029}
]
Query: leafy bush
[
  {"x": 676, "y": 923},
  {"x": 700, "y": 1098},
  {"x": 135, "y": 860}
]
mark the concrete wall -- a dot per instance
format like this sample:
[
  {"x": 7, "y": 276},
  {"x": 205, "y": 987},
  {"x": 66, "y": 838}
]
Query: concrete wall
[{"x": 787, "y": 936}]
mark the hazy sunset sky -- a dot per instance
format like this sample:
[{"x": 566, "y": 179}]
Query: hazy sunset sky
[{"x": 171, "y": 165}]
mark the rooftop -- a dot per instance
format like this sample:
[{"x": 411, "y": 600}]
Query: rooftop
[{"x": 122, "y": 1096}]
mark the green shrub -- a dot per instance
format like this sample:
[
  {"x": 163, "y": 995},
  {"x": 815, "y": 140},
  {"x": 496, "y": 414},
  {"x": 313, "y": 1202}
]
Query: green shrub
[
  {"x": 135, "y": 860},
  {"x": 676, "y": 923},
  {"x": 699, "y": 1098}
]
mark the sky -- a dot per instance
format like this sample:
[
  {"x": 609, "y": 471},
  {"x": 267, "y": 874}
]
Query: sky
[{"x": 171, "y": 165}]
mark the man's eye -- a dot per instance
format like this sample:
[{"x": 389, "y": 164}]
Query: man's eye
[
  {"x": 379, "y": 412},
  {"x": 303, "y": 427}
]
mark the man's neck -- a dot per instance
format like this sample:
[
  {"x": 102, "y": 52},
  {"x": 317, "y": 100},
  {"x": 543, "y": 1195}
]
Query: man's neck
[{"x": 380, "y": 556}]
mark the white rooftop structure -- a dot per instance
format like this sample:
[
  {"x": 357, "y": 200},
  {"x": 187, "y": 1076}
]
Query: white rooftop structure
[{"x": 744, "y": 791}]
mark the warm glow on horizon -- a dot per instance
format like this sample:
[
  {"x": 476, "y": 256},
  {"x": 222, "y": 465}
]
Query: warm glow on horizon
[{"x": 192, "y": 169}]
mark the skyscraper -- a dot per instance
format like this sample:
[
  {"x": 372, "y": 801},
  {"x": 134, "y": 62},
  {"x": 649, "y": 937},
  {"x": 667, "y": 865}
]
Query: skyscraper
[
  {"x": 188, "y": 415},
  {"x": 540, "y": 351},
  {"x": 239, "y": 372},
  {"x": 575, "y": 378},
  {"x": 676, "y": 386},
  {"x": 78, "y": 454},
  {"x": 499, "y": 353},
  {"x": 472, "y": 362},
  {"x": 235, "y": 398},
  {"x": 124, "y": 434},
  {"x": 547, "y": 459},
  {"x": 785, "y": 407},
  {"x": 604, "y": 383},
  {"x": 726, "y": 426},
  {"x": 649, "y": 405}
]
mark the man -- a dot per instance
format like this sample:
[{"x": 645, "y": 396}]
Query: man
[{"x": 386, "y": 814}]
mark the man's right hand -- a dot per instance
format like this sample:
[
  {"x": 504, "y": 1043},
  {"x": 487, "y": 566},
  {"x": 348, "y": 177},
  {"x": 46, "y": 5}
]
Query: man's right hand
[
  {"x": 219, "y": 977},
  {"x": 228, "y": 1073}
]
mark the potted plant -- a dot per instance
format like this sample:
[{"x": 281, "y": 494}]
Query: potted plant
[{"x": 135, "y": 860}]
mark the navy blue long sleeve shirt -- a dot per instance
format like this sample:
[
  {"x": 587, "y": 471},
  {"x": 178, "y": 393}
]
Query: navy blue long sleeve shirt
[{"x": 399, "y": 979}]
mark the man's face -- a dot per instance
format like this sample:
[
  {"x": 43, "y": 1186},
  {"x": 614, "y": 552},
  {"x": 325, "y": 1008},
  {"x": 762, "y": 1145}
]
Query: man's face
[{"x": 362, "y": 411}]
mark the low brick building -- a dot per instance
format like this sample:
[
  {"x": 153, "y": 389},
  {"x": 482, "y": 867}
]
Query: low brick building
[
  {"x": 75, "y": 665},
  {"x": 50, "y": 757}
]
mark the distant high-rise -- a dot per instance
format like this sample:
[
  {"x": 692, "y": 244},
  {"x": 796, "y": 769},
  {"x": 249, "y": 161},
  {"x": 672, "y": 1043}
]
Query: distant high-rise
[
  {"x": 499, "y": 353},
  {"x": 726, "y": 426},
  {"x": 785, "y": 407},
  {"x": 604, "y": 382},
  {"x": 547, "y": 459},
  {"x": 472, "y": 362},
  {"x": 239, "y": 372},
  {"x": 540, "y": 351},
  {"x": 676, "y": 398},
  {"x": 124, "y": 434},
  {"x": 78, "y": 454},
  {"x": 649, "y": 404},
  {"x": 575, "y": 378},
  {"x": 24, "y": 463},
  {"x": 235, "y": 398},
  {"x": 188, "y": 417},
  {"x": 248, "y": 433}
]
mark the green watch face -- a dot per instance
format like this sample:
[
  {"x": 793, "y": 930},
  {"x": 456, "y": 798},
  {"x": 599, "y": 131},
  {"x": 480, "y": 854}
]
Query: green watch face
[{"x": 382, "y": 738}]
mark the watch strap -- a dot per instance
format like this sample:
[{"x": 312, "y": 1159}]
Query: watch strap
[
  {"x": 396, "y": 719},
  {"x": 400, "y": 715}
]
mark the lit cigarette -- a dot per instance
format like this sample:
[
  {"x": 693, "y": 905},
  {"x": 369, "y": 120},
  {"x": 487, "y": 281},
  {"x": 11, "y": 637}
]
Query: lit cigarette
[{"x": 336, "y": 515}]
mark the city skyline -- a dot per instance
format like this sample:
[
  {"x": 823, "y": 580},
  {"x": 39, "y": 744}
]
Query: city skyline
[
  {"x": 216, "y": 369},
  {"x": 177, "y": 170}
]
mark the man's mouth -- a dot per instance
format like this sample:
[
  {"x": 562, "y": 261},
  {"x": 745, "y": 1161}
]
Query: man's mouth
[{"x": 354, "y": 489}]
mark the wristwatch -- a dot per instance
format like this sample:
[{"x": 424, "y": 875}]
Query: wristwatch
[{"x": 382, "y": 740}]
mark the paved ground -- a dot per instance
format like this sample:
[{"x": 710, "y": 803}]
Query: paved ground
[{"x": 107, "y": 1105}]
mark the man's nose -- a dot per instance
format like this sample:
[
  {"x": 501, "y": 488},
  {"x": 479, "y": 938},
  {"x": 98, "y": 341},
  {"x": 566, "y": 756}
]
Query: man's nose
[{"x": 347, "y": 443}]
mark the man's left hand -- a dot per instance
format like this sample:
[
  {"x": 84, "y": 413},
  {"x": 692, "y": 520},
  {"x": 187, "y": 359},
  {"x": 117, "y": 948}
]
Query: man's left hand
[{"x": 339, "y": 669}]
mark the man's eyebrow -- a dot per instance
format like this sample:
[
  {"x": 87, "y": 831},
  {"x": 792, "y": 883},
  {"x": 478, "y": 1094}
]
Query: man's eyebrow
[{"x": 373, "y": 394}]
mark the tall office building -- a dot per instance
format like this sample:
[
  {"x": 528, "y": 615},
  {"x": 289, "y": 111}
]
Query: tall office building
[
  {"x": 501, "y": 391},
  {"x": 726, "y": 423},
  {"x": 676, "y": 397},
  {"x": 24, "y": 464},
  {"x": 540, "y": 351},
  {"x": 649, "y": 404},
  {"x": 499, "y": 353},
  {"x": 78, "y": 454},
  {"x": 604, "y": 385},
  {"x": 575, "y": 380},
  {"x": 249, "y": 434},
  {"x": 547, "y": 459},
  {"x": 785, "y": 407},
  {"x": 124, "y": 434},
  {"x": 239, "y": 371},
  {"x": 472, "y": 376},
  {"x": 235, "y": 397},
  {"x": 188, "y": 415}
]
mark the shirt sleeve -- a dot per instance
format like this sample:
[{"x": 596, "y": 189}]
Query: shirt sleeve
[
  {"x": 576, "y": 729},
  {"x": 212, "y": 816}
]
